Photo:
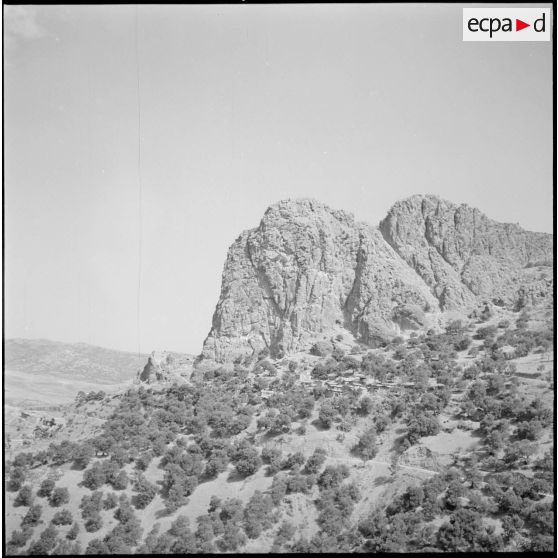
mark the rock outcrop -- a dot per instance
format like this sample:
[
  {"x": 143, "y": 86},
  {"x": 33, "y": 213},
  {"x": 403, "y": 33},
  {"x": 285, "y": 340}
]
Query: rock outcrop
[
  {"x": 165, "y": 367},
  {"x": 308, "y": 270},
  {"x": 462, "y": 255},
  {"x": 304, "y": 270}
]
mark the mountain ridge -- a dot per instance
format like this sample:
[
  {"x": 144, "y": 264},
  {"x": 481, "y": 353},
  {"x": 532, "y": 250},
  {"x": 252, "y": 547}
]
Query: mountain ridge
[
  {"x": 307, "y": 268},
  {"x": 37, "y": 356}
]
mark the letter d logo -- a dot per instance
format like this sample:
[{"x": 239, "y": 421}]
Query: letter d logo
[{"x": 540, "y": 24}]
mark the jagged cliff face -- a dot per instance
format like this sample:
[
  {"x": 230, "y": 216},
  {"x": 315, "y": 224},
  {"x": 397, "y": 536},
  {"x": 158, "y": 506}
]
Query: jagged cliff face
[
  {"x": 308, "y": 269},
  {"x": 462, "y": 255},
  {"x": 304, "y": 270}
]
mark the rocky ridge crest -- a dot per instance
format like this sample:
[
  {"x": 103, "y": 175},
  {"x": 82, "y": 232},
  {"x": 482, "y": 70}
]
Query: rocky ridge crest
[{"x": 308, "y": 269}]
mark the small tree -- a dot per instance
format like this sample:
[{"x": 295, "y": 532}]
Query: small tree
[
  {"x": 73, "y": 532},
  {"x": 232, "y": 539},
  {"x": 326, "y": 414},
  {"x": 33, "y": 516},
  {"x": 366, "y": 446},
  {"x": 146, "y": 491},
  {"x": 248, "y": 463},
  {"x": 278, "y": 489},
  {"x": 143, "y": 460},
  {"x": 365, "y": 405},
  {"x": 315, "y": 461},
  {"x": 332, "y": 477},
  {"x": 45, "y": 490},
  {"x": 110, "y": 502},
  {"x": 272, "y": 457},
  {"x": 17, "y": 478},
  {"x": 24, "y": 496},
  {"x": 421, "y": 424},
  {"x": 120, "y": 482},
  {"x": 63, "y": 517},
  {"x": 83, "y": 455},
  {"x": 93, "y": 523},
  {"x": 20, "y": 538},
  {"x": 257, "y": 514},
  {"x": 67, "y": 548},
  {"x": 59, "y": 496},
  {"x": 97, "y": 546},
  {"x": 47, "y": 541}
]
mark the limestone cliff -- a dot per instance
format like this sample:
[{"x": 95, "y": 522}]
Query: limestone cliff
[
  {"x": 303, "y": 270},
  {"x": 308, "y": 269},
  {"x": 462, "y": 255}
]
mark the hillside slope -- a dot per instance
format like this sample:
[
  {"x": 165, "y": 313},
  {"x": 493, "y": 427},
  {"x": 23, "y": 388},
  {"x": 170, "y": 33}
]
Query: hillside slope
[
  {"x": 433, "y": 442},
  {"x": 78, "y": 361}
]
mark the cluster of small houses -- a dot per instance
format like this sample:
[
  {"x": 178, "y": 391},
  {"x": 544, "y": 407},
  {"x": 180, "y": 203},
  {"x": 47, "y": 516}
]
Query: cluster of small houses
[
  {"x": 349, "y": 381},
  {"x": 352, "y": 382},
  {"x": 45, "y": 427}
]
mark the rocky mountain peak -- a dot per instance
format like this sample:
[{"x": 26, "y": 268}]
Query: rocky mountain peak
[
  {"x": 308, "y": 270},
  {"x": 460, "y": 253}
]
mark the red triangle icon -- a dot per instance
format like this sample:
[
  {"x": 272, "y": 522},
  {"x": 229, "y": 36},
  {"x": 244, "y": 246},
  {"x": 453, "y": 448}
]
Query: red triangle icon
[{"x": 519, "y": 25}]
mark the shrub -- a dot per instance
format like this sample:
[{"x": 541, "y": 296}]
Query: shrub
[
  {"x": 82, "y": 455},
  {"x": 20, "y": 538},
  {"x": 93, "y": 523},
  {"x": 315, "y": 461},
  {"x": 332, "y": 477},
  {"x": 381, "y": 422},
  {"x": 143, "y": 460},
  {"x": 246, "y": 460},
  {"x": 146, "y": 493},
  {"x": 73, "y": 532},
  {"x": 327, "y": 414},
  {"x": 232, "y": 539},
  {"x": 421, "y": 424},
  {"x": 24, "y": 496},
  {"x": 90, "y": 505},
  {"x": 67, "y": 548},
  {"x": 94, "y": 477},
  {"x": 17, "y": 478},
  {"x": 257, "y": 514},
  {"x": 365, "y": 405},
  {"x": 97, "y": 546},
  {"x": 284, "y": 535},
  {"x": 110, "y": 502},
  {"x": 299, "y": 483},
  {"x": 63, "y": 517},
  {"x": 462, "y": 532},
  {"x": 216, "y": 463},
  {"x": 273, "y": 458},
  {"x": 23, "y": 460},
  {"x": 46, "y": 488},
  {"x": 120, "y": 482},
  {"x": 293, "y": 461},
  {"x": 321, "y": 348},
  {"x": 529, "y": 430},
  {"x": 47, "y": 541},
  {"x": 278, "y": 489},
  {"x": 33, "y": 516},
  {"x": 366, "y": 446},
  {"x": 59, "y": 496},
  {"x": 487, "y": 333}
]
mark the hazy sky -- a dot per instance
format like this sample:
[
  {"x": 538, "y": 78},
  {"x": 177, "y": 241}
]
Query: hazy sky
[{"x": 240, "y": 106}]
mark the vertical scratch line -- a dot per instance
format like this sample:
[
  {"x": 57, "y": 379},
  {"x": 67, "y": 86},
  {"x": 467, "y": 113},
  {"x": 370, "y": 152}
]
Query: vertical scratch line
[{"x": 140, "y": 227}]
